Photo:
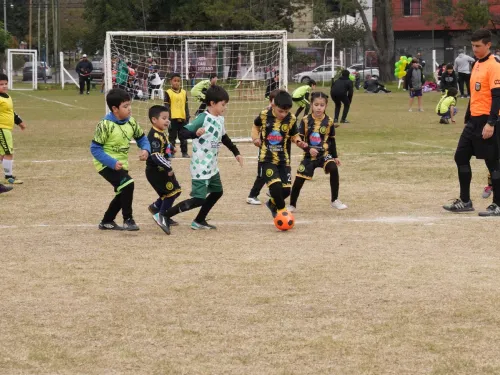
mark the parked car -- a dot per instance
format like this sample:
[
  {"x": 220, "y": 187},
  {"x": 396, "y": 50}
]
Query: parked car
[
  {"x": 97, "y": 73},
  {"x": 358, "y": 69},
  {"x": 320, "y": 73},
  {"x": 42, "y": 70}
]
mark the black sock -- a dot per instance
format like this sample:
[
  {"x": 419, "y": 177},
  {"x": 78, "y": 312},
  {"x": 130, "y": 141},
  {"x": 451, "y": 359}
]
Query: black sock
[
  {"x": 297, "y": 186},
  {"x": 158, "y": 203},
  {"x": 183, "y": 206},
  {"x": 334, "y": 180},
  {"x": 166, "y": 204},
  {"x": 494, "y": 168},
  {"x": 257, "y": 187},
  {"x": 212, "y": 198},
  {"x": 276, "y": 191},
  {"x": 127, "y": 196},
  {"x": 298, "y": 111},
  {"x": 464, "y": 178},
  {"x": 114, "y": 207}
]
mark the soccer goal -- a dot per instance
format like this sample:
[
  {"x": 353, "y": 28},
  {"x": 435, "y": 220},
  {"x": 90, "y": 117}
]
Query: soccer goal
[
  {"x": 243, "y": 61},
  {"x": 22, "y": 69}
]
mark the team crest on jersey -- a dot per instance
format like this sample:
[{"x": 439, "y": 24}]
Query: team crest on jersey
[
  {"x": 478, "y": 86},
  {"x": 155, "y": 144},
  {"x": 284, "y": 128},
  {"x": 274, "y": 138},
  {"x": 170, "y": 186},
  {"x": 301, "y": 168},
  {"x": 314, "y": 139},
  {"x": 322, "y": 130},
  {"x": 269, "y": 172}
]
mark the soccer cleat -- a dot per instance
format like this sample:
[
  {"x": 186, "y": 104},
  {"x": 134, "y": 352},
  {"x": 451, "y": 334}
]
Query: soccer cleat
[
  {"x": 185, "y": 155},
  {"x": 162, "y": 222},
  {"x": 88, "y": 92},
  {"x": 203, "y": 225},
  {"x": 130, "y": 225},
  {"x": 458, "y": 206},
  {"x": 444, "y": 121},
  {"x": 5, "y": 188},
  {"x": 420, "y": 109},
  {"x": 109, "y": 226},
  {"x": 272, "y": 208},
  {"x": 492, "y": 210},
  {"x": 253, "y": 200},
  {"x": 172, "y": 223},
  {"x": 291, "y": 208},
  {"x": 12, "y": 180},
  {"x": 338, "y": 205},
  {"x": 487, "y": 191},
  {"x": 152, "y": 208}
]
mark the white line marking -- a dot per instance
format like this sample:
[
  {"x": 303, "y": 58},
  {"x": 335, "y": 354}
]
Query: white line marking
[
  {"x": 52, "y": 101},
  {"x": 426, "y": 145}
]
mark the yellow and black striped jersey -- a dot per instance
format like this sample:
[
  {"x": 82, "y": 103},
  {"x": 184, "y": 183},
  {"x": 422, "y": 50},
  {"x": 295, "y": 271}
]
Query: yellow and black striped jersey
[
  {"x": 275, "y": 137},
  {"x": 318, "y": 133}
]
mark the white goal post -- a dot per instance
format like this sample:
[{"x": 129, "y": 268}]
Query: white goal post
[
  {"x": 244, "y": 62},
  {"x": 33, "y": 53}
]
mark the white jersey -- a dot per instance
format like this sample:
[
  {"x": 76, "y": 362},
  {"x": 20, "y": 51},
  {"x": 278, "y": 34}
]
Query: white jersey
[{"x": 204, "y": 163}]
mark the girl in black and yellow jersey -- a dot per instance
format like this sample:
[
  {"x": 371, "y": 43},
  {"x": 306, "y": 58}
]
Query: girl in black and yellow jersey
[{"x": 318, "y": 130}]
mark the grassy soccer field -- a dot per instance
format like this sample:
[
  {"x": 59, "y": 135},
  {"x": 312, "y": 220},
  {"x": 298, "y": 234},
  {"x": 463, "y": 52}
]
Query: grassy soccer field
[{"x": 392, "y": 285}]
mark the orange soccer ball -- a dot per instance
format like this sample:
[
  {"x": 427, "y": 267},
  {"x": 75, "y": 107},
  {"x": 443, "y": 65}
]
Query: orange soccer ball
[{"x": 284, "y": 220}]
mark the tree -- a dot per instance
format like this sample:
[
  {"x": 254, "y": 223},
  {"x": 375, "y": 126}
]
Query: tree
[
  {"x": 384, "y": 42},
  {"x": 5, "y": 42},
  {"x": 473, "y": 13}
]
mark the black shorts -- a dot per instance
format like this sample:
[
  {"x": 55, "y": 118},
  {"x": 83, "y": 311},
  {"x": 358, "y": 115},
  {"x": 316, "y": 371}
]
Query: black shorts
[
  {"x": 165, "y": 185},
  {"x": 307, "y": 166},
  {"x": 119, "y": 179},
  {"x": 272, "y": 173},
  {"x": 471, "y": 141}
]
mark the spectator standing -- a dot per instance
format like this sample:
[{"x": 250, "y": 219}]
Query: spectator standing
[
  {"x": 84, "y": 68},
  {"x": 462, "y": 67}
]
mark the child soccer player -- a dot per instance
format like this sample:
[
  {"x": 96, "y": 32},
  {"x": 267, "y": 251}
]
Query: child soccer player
[
  {"x": 448, "y": 79},
  {"x": 7, "y": 120},
  {"x": 109, "y": 148},
  {"x": 271, "y": 132},
  {"x": 272, "y": 84},
  {"x": 207, "y": 131},
  {"x": 318, "y": 130},
  {"x": 447, "y": 106},
  {"x": 301, "y": 97},
  {"x": 176, "y": 98},
  {"x": 253, "y": 197},
  {"x": 342, "y": 92},
  {"x": 414, "y": 82},
  {"x": 159, "y": 168},
  {"x": 199, "y": 90}
]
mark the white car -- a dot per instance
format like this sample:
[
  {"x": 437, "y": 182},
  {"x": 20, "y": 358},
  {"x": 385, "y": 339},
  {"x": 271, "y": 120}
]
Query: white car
[
  {"x": 358, "y": 69},
  {"x": 321, "y": 73}
]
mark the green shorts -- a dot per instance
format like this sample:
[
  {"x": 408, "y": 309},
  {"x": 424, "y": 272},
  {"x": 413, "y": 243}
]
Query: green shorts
[
  {"x": 6, "y": 142},
  {"x": 201, "y": 188}
]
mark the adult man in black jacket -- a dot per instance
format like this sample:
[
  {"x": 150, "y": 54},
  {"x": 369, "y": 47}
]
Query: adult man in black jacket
[
  {"x": 341, "y": 92},
  {"x": 83, "y": 68}
]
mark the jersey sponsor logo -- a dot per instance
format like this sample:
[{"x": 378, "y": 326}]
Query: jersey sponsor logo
[
  {"x": 478, "y": 86},
  {"x": 215, "y": 144},
  {"x": 169, "y": 186},
  {"x": 275, "y": 138},
  {"x": 284, "y": 128},
  {"x": 314, "y": 139},
  {"x": 301, "y": 168},
  {"x": 269, "y": 172}
]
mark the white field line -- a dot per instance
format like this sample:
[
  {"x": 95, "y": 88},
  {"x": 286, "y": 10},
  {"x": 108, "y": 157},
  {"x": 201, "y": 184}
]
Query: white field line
[
  {"x": 425, "y": 220},
  {"x": 52, "y": 101},
  {"x": 426, "y": 145},
  {"x": 409, "y": 153}
]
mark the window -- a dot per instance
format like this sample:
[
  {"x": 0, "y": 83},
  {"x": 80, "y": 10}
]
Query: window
[{"x": 412, "y": 8}]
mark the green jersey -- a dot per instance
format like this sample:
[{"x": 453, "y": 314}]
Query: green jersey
[
  {"x": 121, "y": 73},
  {"x": 301, "y": 91},
  {"x": 115, "y": 140},
  {"x": 445, "y": 103},
  {"x": 204, "y": 163},
  {"x": 198, "y": 90}
]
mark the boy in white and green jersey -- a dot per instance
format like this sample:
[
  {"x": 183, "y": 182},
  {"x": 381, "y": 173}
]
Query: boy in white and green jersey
[
  {"x": 207, "y": 132},
  {"x": 110, "y": 147}
]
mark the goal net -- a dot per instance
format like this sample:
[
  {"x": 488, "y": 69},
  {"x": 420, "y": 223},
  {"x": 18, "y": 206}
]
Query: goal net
[
  {"x": 23, "y": 69},
  {"x": 244, "y": 62}
]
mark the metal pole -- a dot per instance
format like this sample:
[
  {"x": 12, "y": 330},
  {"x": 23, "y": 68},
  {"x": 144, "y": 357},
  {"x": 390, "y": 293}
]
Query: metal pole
[
  {"x": 47, "y": 32},
  {"x": 54, "y": 41},
  {"x": 5, "y": 15},
  {"x": 38, "y": 30},
  {"x": 30, "y": 23}
]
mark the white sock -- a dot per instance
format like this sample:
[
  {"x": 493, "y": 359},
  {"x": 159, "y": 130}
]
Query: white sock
[{"x": 7, "y": 167}]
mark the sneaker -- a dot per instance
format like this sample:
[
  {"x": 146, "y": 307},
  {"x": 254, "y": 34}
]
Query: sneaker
[
  {"x": 172, "y": 223},
  {"x": 487, "y": 191},
  {"x": 185, "y": 155},
  {"x": 336, "y": 120},
  {"x": 109, "y": 226},
  {"x": 152, "y": 208},
  {"x": 88, "y": 92},
  {"x": 492, "y": 210},
  {"x": 410, "y": 110},
  {"x": 338, "y": 205},
  {"x": 291, "y": 208},
  {"x": 254, "y": 201},
  {"x": 5, "y": 188},
  {"x": 421, "y": 110},
  {"x": 458, "y": 206},
  {"x": 272, "y": 208},
  {"x": 12, "y": 180},
  {"x": 203, "y": 225},
  {"x": 130, "y": 225},
  {"x": 344, "y": 122},
  {"x": 162, "y": 222}
]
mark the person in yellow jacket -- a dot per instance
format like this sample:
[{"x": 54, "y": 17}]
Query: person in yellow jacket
[
  {"x": 7, "y": 120},
  {"x": 176, "y": 100}
]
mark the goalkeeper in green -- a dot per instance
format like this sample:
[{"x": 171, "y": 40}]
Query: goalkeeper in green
[
  {"x": 301, "y": 97},
  {"x": 199, "y": 90}
]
